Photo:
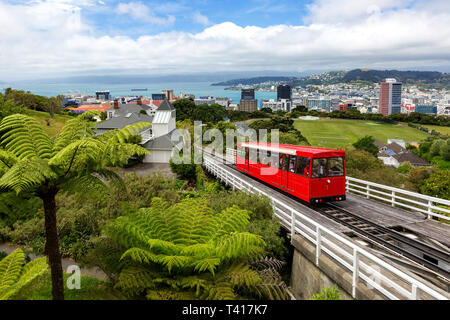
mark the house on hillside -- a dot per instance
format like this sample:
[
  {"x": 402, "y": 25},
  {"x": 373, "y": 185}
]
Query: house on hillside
[
  {"x": 156, "y": 138},
  {"x": 393, "y": 154}
]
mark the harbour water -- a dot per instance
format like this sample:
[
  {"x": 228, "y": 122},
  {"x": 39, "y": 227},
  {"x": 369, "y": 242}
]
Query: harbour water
[{"x": 55, "y": 87}]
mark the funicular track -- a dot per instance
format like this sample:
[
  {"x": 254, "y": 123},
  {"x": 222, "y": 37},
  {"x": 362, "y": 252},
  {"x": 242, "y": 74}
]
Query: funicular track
[
  {"x": 384, "y": 239},
  {"x": 389, "y": 240}
]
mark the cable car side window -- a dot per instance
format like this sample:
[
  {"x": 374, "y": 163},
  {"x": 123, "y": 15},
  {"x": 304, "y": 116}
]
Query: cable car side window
[
  {"x": 292, "y": 160},
  {"x": 303, "y": 166},
  {"x": 274, "y": 160},
  {"x": 335, "y": 167},
  {"x": 285, "y": 162},
  {"x": 319, "y": 168}
]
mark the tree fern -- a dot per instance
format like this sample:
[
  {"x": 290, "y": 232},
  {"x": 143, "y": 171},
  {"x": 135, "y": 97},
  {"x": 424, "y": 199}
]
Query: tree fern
[
  {"x": 74, "y": 160},
  {"x": 14, "y": 275},
  {"x": 24, "y": 137},
  {"x": 186, "y": 248}
]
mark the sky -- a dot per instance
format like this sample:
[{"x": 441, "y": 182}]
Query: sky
[{"x": 48, "y": 38}]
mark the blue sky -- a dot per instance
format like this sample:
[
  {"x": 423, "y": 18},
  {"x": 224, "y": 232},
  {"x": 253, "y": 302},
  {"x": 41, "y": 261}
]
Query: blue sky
[
  {"x": 77, "y": 37},
  {"x": 192, "y": 16}
]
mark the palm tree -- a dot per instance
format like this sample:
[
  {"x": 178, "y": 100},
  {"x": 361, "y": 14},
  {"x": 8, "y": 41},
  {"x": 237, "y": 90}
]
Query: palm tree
[{"x": 75, "y": 160}]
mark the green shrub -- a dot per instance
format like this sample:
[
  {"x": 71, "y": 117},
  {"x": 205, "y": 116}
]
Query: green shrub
[{"x": 327, "y": 294}]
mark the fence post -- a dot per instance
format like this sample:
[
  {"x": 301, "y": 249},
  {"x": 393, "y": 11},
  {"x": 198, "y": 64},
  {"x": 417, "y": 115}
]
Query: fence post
[
  {"x": 414, "y": 292},
  {"x": 368, "y": 191},
  {"x": 292, "y": 225},
  {"x": 393, "y": 199},
  {"x": 355, "y": 271},
  {"x": 430, "y": 204},
  {"x": 318, "y": 244}
]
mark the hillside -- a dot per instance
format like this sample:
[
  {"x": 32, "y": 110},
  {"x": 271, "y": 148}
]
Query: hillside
[
  {"x": 422, "y": 78},
  {"x": 51, "y": 126},
  {"x": 253, "y": 81}
]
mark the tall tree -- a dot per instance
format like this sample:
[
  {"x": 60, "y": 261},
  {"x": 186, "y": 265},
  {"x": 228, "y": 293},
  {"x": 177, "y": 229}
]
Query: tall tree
[{"x": 72, "y": 161}]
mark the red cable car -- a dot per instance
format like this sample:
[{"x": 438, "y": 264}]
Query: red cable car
[{"x": 315, "y": 175}]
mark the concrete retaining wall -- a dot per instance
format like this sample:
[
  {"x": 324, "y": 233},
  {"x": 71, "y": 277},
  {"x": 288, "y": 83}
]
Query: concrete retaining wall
[{"x": 307, "y": 279}]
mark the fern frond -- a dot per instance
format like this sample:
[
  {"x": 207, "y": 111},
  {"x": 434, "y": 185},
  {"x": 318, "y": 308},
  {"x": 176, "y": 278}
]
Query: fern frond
[
  {"x": 113, "y": 178},
  {"x": 142, "y": 256},
  {"x": 23, "y": 136},
  {"x": 240, "y": 244},
  {"x": 122, "y": 135},
  {"x": 74, "y": 130},
  {"x": 219, "y": 291},
  {"x": 7, "y": 159},
  {"x": 78, "y": 157},
  {"x": 243, "y": 277},
  {"x": 230, "y": 220},
  {"x": 26, "y": 174},
  {"x": 208, "y": 264},
  {"x": 11, "y": 268},
  {"x": 32, "y": 270},
  {"x": 135, "y": 280},
  {"x": 89, "y": 183}
]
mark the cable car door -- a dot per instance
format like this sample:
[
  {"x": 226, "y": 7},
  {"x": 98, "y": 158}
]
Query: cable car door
[
  {"x": 284, "y": 171},
  {"x": 247, "y": 160}
]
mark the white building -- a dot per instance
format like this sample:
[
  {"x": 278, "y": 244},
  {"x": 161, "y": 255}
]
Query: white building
[
  {"x": 157, "y": 138},
  {"x": 283, "y": 105}
]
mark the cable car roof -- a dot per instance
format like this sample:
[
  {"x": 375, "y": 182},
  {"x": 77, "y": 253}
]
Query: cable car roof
[{"x": 293, "y": 150}]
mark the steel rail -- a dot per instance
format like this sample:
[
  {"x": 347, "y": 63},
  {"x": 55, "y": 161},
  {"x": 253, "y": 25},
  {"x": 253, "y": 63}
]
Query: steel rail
[{"x": 433, "y": 252}]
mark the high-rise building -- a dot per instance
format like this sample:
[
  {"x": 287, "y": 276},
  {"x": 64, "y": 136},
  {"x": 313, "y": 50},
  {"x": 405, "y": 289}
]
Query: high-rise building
[
  {"x": 284, "y": 91},
  {"x": 209, "y": 100},
  {"x": 103, "y": 95},
  {"x": 248, "y": 94},
  {"x": 390, "y": 98},
  {"x": 158, "y": 96},
  {"x": 248, "y": 105},
  {"x": 168, "y": 94}
]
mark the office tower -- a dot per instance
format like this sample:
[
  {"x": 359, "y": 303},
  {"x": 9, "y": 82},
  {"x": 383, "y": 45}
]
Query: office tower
[
  {"x": 247, "y": 94},
  {"x": 284, "y": 91},
  {"x": 390, "y": 99}
]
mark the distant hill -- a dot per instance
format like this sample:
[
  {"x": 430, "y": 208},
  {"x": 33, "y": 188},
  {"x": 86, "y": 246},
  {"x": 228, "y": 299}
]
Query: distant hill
[
  {"x": 424, "y": 78},
  {"x": 403, "y": 76},
  {"x": 253, "y": 81}
]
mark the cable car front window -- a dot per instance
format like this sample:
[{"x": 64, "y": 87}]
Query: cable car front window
[
  {"x": 319, "y": 168},
  {"x": 335, "y": 167},
  {"x": 303, "y": 166}
]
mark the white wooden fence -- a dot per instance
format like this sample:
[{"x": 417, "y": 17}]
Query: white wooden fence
[{"x": 364, "y": 266}]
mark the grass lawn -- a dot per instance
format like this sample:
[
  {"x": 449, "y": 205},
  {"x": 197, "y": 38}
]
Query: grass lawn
[
  {"x": 442, "y": 130},
  {"x": 56, "y": 124},
  {"x": 90, "y": 289},
  {"x": 335, "y": 133}
]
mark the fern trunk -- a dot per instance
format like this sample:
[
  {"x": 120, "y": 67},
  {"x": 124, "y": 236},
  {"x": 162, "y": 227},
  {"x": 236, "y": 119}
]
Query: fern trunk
[{"x": 52, "y": 246}]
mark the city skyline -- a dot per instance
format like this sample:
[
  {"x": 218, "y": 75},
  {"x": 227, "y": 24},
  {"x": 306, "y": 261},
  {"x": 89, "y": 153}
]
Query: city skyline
[{"x": 51, "y": 38}]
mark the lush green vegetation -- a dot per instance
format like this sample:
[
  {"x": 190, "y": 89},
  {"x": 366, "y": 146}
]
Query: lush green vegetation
[
  {"x": 189, "y": 251},
  {"x": 16, "y": 275},
  {"x": 90, "y": 289},
  {"x": 341, "y": 133},
  {"x": 366, "y": 143},
  {"x": 327, "y": 294},
  {"x": 74, "y": 160},
  {"x": 186, "y": 109},
  {"x": 288, "y": 133},
  {"x": 83, "y": 219}
]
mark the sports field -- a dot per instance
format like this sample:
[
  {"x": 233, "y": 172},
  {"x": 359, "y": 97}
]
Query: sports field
[
  {"x": 442, "y": 130},
  {"x": 336, "y": 133}
]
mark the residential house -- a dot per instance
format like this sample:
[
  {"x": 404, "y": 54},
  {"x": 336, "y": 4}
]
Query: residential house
[
  {"x": 393, "y": 154},
  {"x": 156, "y": 138}
]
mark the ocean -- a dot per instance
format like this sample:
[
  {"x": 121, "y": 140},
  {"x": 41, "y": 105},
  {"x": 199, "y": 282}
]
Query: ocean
[{"x": 55, "y": 87}]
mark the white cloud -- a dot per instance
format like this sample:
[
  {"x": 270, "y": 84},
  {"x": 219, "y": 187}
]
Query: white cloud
[
  {"x": 199, "y": 18},
  {"x": 43, "y": 38},
  {"x": 140, "y": 11}
]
